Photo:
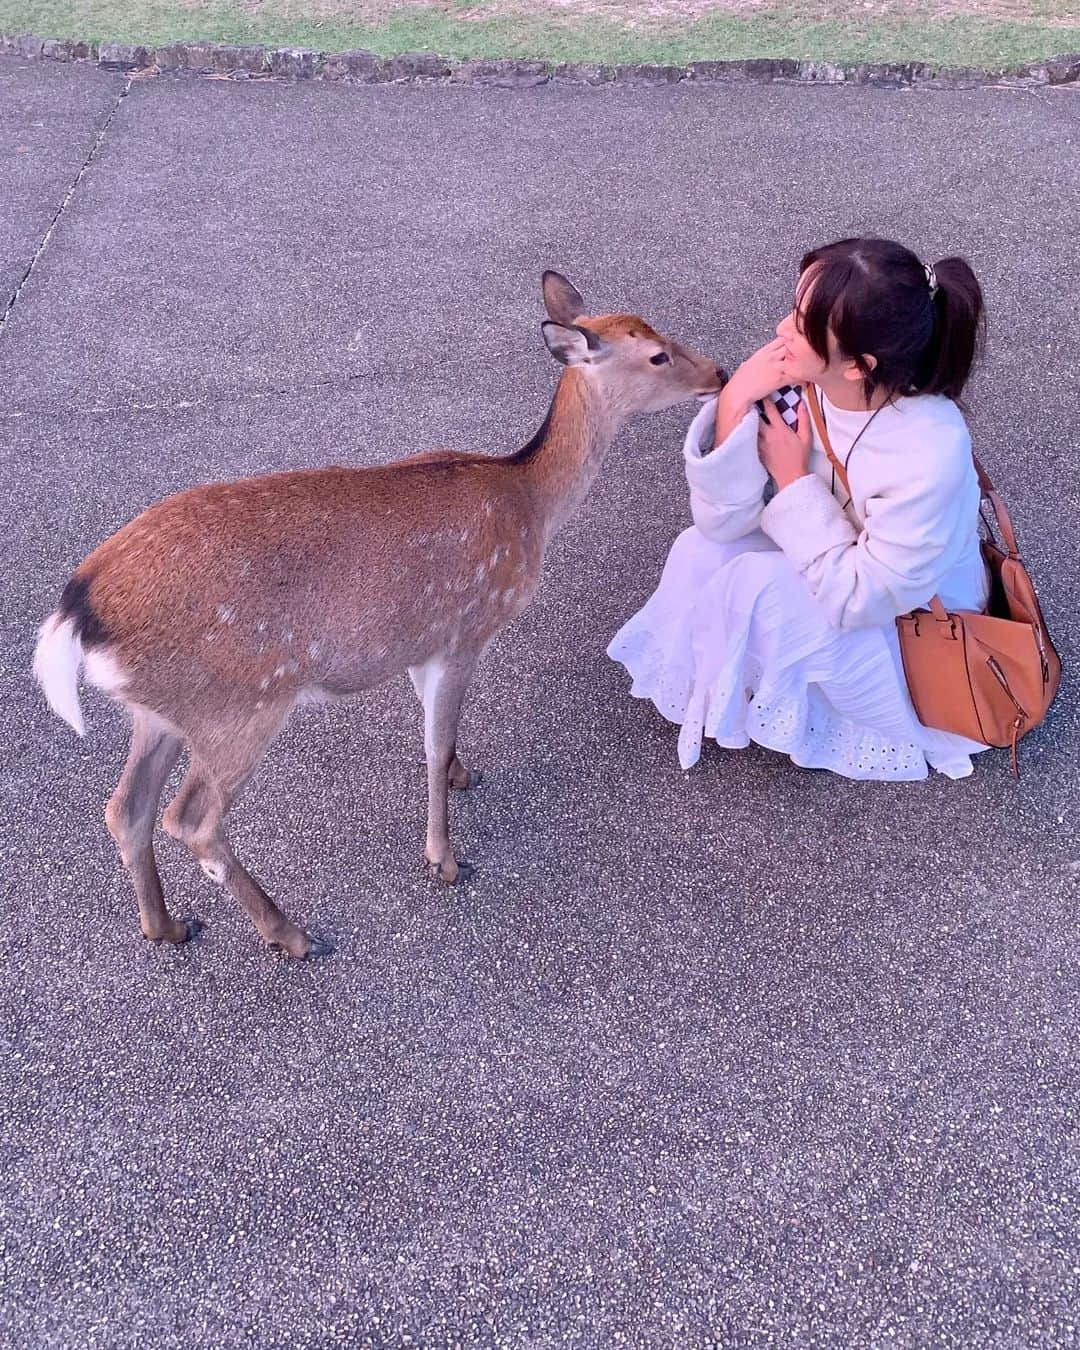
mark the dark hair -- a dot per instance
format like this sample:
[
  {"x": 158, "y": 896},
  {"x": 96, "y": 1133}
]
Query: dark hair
[{"x": 876, "y": 298}]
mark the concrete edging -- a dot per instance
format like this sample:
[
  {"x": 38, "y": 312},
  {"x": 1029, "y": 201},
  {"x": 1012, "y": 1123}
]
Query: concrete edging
[{"x": 239, "y": 61}]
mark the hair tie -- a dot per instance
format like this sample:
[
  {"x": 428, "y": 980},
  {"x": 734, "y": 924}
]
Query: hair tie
[{"x": 931, "y": 278}]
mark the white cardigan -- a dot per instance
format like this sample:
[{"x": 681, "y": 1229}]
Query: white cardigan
[{"x": 910, "y": 531}]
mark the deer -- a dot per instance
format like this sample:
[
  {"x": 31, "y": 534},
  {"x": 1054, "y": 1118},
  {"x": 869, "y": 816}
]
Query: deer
[{"x": 218, "y": 610}]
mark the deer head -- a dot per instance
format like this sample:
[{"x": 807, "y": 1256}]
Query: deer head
[{"x": 633, "y": 366}]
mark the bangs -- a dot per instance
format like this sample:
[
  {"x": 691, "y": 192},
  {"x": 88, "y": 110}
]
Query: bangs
[{"x": 824, "y": 277}]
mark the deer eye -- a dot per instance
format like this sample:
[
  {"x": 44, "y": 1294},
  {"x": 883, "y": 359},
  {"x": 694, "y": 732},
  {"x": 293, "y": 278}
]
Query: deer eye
[{"x": 660, "y": 359}]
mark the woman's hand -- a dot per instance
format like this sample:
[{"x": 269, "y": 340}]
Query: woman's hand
[
  {"x": 758, "y": 375},
  {"x": 785, "y": 453}
]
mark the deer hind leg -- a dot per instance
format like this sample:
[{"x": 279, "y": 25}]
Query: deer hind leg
[
  {"x": 444, "y": 686},
  {"x": 457, "y": 775},
  {"x": 131, "y": 815},
  {"x": 196, "y": 818}
]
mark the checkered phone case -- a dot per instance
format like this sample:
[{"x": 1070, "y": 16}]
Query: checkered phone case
[{"x": 787, "y": 398}]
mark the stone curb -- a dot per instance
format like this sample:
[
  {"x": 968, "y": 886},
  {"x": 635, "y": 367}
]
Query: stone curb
[{"x": 361, "y": 67}]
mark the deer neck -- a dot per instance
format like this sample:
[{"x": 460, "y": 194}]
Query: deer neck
[{"x": 564, "y": 457}]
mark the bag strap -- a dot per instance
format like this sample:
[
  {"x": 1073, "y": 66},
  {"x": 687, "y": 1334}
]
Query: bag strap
[
  {"x": 1001, "y": 511},
  {"x": 823, "y": 435},
  {"x": 986, "y": 486}
]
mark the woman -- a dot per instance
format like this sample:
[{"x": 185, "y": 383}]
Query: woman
[{"x": 774, "y": 620}]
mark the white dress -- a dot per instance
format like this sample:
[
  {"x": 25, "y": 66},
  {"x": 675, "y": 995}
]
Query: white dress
[{"x": 774, "y": 619}]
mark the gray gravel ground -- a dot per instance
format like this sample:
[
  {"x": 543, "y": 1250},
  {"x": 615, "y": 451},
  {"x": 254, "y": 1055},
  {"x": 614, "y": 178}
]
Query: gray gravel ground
[
  {"x": 51, "y": 116},
  {"x": 746, "y": 1056}
]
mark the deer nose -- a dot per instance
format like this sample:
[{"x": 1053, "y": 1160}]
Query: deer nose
[{"x": 722, "y": 376}]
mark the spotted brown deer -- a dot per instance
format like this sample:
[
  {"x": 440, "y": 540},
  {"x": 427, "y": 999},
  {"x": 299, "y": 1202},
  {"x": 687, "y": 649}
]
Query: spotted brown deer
[{"x": 215, "y": 612}]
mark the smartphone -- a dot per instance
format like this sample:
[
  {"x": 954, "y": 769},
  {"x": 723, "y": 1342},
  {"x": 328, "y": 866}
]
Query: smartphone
[{"x": 787, "y": 398}]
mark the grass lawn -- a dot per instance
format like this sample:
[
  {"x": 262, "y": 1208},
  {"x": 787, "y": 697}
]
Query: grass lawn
[{"x": 957, "y": 32}]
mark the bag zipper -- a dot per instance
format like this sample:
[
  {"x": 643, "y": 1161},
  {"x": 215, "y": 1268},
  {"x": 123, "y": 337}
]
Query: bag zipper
[
  {"x": 1042, "y": 653},
  {"x": 1021, "y": 715},
  {"x": 1000, "y": 676}
]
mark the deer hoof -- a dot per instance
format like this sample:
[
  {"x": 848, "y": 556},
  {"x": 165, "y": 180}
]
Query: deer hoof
[
  {"x": 462, "y": 779},
  {"x": 298, "y": 946},
  {"x": 181, "y": 931},
  {"x": 451, "y": 870}
]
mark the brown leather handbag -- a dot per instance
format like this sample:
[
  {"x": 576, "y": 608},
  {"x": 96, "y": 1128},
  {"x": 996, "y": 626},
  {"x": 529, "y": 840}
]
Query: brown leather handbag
[{"x": 988, "y": 676}]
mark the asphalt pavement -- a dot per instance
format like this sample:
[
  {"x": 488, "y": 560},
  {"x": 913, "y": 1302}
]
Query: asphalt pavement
[{"x": 743, "y": 1057}]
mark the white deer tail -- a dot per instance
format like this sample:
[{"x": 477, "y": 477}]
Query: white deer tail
[{"x": 58, "y": 658}]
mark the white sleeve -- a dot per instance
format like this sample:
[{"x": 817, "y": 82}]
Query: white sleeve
[
  {"x": 907, "y": 545},
  {"x": 726, "y": 484}
]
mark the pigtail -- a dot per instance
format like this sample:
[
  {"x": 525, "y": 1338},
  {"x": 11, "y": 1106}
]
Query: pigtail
[{"x": 959, "y": 329}]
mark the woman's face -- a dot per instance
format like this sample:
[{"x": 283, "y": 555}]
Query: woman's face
[{"x": 802, "y": 364}]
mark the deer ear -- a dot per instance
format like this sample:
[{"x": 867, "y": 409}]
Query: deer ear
[
  {"x": 571, "y": 345},
  {"x": 561, "y": 300}
]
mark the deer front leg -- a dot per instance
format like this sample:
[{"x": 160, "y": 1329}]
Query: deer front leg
[
  {"x": 443, "y": 688},
  {"x": 458, "y": 776}
]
